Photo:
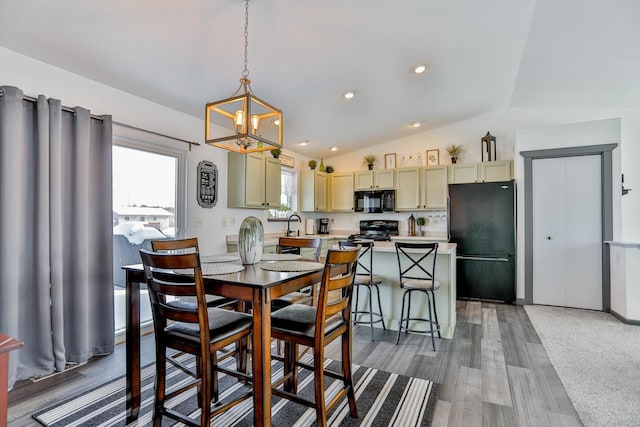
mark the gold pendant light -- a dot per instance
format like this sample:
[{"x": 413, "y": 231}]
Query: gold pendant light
[{"x": 243, "y": 122}]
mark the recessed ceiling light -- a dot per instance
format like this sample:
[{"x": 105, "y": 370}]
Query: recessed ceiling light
[
  {"x": 415, "y": 124},
  {"x": 349, "y": 94},
  {"x": 419, "y": 68},
  {"x": 303, "y": 143},
  {"x": 276, "y": 122},
  {"x": 334, "y": 148}
]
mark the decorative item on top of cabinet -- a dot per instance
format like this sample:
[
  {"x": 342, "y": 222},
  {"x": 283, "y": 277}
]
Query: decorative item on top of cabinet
[
  {"x": 321, "y": 168},
  {"x": 328, "y": 169},
  {"x": 287, "y": 161},
  {"x": 207, "y": 184},
  {"x": 312, "y": 164},
  {"x": 488, "y": 144},
  {"x": 433, "y": 157},
  {"x": 455, "y": 152},
  {"x": 390, "y": 161},
  {"x": 276, "y": 153},
  {"x": 369, "y": 160}
]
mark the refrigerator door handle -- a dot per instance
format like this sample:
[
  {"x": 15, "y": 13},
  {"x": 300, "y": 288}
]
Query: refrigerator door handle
[{"x": 477, "y": 258}]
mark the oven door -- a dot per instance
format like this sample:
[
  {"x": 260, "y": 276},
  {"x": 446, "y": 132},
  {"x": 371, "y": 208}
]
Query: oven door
[{"x": 368, "y": 201}]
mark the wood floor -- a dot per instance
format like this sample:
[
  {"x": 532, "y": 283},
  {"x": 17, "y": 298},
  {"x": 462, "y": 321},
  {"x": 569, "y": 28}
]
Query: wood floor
[{"x": 495, "y": 372}]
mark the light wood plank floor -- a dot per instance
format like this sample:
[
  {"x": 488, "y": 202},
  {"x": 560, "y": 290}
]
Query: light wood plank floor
[{"x": 495, "y": 372}]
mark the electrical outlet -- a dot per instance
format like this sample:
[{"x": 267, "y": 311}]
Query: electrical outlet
[
  {"x": 224, "y": 221},
  {"x": 197, "y": 222}
]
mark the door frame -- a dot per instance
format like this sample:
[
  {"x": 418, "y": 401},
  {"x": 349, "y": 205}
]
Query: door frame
[{"x": 606, "y": 189}]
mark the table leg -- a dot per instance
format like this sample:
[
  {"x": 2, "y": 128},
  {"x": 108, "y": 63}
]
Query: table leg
[
  {"x": 4, "y": 386},
  {"x": 133, "y": 347},
  {"x": 261, "y": 357}
]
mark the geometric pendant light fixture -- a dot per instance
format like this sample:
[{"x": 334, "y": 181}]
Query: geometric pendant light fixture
[{"x": 243, "y": 122}]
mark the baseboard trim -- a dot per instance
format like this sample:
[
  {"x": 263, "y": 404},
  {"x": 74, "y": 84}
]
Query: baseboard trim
[
  {"x": 623, "y": 319},
  {"x": 523, "y": 301}
]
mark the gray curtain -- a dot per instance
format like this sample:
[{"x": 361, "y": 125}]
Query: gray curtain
[{"x": 56, "y": 288}]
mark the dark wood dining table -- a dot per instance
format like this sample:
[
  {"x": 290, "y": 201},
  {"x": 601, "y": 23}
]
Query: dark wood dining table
[{"x": 254, "y": 285}]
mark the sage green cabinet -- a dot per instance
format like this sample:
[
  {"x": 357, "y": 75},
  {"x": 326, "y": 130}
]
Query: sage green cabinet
[
  {"x": 496, "y": 171},
  {"x": 408, "y": 189},
  {"x": 313, "y": 192},
  {"x": 375, "y": 180},
  {"x": 253, "y": 181},
  {"x": 341, "y": 192},
  {"x": 434, "y": 187}
]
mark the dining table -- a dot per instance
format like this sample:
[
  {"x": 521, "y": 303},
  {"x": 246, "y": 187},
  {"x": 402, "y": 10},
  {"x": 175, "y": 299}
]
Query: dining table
[{"x": 253, "y": 284}]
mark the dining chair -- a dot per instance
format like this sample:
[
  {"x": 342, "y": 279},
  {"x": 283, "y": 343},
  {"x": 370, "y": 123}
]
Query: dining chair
[
  {"x": 315, "y": 327},
  {"x": 295, "y": 245},
  {"x": 190, "y": 245},
  {"x": 417, "y": 274},
  {"x": 365, "y": 279},
  {"x": 200, "y": 331}
]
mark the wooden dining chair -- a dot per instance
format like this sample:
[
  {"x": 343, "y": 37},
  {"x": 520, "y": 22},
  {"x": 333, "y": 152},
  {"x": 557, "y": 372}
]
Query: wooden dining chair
[
  {"x": 200, "y": 331},
  {"x": 316, "y": 327},
  {"x": 295, "y": 245},
  {"x": 418, "y": 274},
  {"x": 190, "y": 245}
]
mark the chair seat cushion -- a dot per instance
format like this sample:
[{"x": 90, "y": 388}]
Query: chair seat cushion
[
  {"x": 291, "y": 298},
  {"x": 189, "y": 303},
  {"x": 222, "y": 323},
  {"x": 420, "y": 284},
  {"x": 299, "y": 319},
  {"x": 365, "y": 279}
]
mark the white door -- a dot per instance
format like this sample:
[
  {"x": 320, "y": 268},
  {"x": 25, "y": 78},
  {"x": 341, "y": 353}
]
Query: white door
[{"x": 567, "y": 232}]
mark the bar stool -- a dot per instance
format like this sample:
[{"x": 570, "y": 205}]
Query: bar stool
[
  {"x": 418, "y": 275},
  {"x": 365, "y": 279}
]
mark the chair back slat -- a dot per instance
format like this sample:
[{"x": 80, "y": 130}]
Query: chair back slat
[
  {"x": 334, "y": 278},
  {"x": 285, "y": 243},
  {"x": 175, "y": 246},
  {"x": 414, "y": 261}
]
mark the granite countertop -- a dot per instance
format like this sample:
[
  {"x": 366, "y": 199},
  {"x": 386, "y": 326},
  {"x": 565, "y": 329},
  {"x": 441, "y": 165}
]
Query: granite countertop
[
  {"x": 443, "y": 248},
  {"x": 271, "y": 239}
]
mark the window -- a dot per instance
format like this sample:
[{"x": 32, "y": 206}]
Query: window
[
  {"x": 288, "y": 195},
  {"x": 148, "y": 204}
]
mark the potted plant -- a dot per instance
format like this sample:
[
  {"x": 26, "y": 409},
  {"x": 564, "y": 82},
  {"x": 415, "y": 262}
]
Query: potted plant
[
  {"x": 313, "y": 164},
  {"x": 276, "y": 153},
  {"x": 328, "y": 169},
  {"x": 369, "y": 160},
  {"x": 420, "y": 222},
  {"x": 455, "y": 152}
]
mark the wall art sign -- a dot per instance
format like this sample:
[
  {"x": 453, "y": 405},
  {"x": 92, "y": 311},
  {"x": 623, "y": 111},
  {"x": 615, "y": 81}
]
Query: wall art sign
[
  {"x": 287, "y": 161},
  {"x": 207, "y": 184}
]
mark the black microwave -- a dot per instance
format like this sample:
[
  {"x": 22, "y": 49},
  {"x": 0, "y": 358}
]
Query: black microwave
[{"x": 375, "y": 201}]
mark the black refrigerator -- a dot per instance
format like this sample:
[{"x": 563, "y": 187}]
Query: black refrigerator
[{"x": 482, "y": 224}]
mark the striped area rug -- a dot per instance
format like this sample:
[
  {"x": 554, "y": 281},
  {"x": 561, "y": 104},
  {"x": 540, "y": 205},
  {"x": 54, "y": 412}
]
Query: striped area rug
[{"x": 383, "y": 399}]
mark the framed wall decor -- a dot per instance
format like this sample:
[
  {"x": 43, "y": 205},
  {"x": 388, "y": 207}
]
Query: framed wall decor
[
  {"x": 433, "y": 157},
  {"x": 390, "y": 161},
  {"x": 207, "y": 184},
  {"x": 287, "y": 161}
]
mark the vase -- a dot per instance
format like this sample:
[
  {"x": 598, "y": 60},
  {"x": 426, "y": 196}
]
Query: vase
[
  {"x": 251, "y": 240},
  {"x": 454, "y": 160},
  {"x": 370, "y": 166}
]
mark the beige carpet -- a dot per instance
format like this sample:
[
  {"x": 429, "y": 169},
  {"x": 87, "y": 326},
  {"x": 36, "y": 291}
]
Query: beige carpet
[{"x": 598, "y": 360}]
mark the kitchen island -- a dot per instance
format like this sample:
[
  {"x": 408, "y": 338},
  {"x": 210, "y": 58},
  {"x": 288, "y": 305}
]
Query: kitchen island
[{"x": 385, "y": 265}]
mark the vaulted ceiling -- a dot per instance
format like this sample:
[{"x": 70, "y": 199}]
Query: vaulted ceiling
[{"x": 303, "y": 55}]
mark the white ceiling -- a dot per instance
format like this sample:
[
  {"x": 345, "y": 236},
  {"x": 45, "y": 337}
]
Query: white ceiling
[{"x": 482, "y": 56}]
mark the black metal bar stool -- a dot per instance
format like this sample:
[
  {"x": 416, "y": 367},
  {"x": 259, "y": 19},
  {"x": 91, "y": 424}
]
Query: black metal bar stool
[
  {"x": 365, "y": 279},
  {"x": 417, "y": 274}
]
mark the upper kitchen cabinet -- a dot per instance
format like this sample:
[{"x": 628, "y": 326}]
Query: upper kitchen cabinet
[
  {"x": 253, "y": 181},
  {"x": 462, "y": 173},
  {"x": 501, "y": 170},
  {"x": 341, "y": 191},
  {"x": 313, "y": 191},
  {"x": 375, "y": 180},
  {"x": 408, "y": 191},
  {"x": 434, "y": 187}
]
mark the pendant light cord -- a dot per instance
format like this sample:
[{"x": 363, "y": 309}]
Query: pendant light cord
[{"x": 245, "y": 73}]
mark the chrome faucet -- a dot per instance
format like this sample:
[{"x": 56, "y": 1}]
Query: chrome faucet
[{"x": 289, "y": 232}]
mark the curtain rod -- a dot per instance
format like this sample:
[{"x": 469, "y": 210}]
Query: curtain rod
[{"x": 71, "y": 110}]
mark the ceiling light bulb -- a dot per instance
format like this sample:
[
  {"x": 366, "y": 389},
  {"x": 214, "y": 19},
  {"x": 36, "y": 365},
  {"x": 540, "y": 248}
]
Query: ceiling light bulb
[
  {"x": 239, "y": 120},
  {"x": 349, "y": 95},
  {"x": 334, "y": 148},
  {"x": 420, "y": 68},
  {"x": 303, "y": 143},
  {"x": 276, "y": 122},
  {"x": 415, "y": 124},
  {"x": 255, "y": 123}
]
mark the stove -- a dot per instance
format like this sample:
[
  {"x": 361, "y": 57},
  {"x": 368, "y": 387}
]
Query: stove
[{"x": 377, "y": 230}]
